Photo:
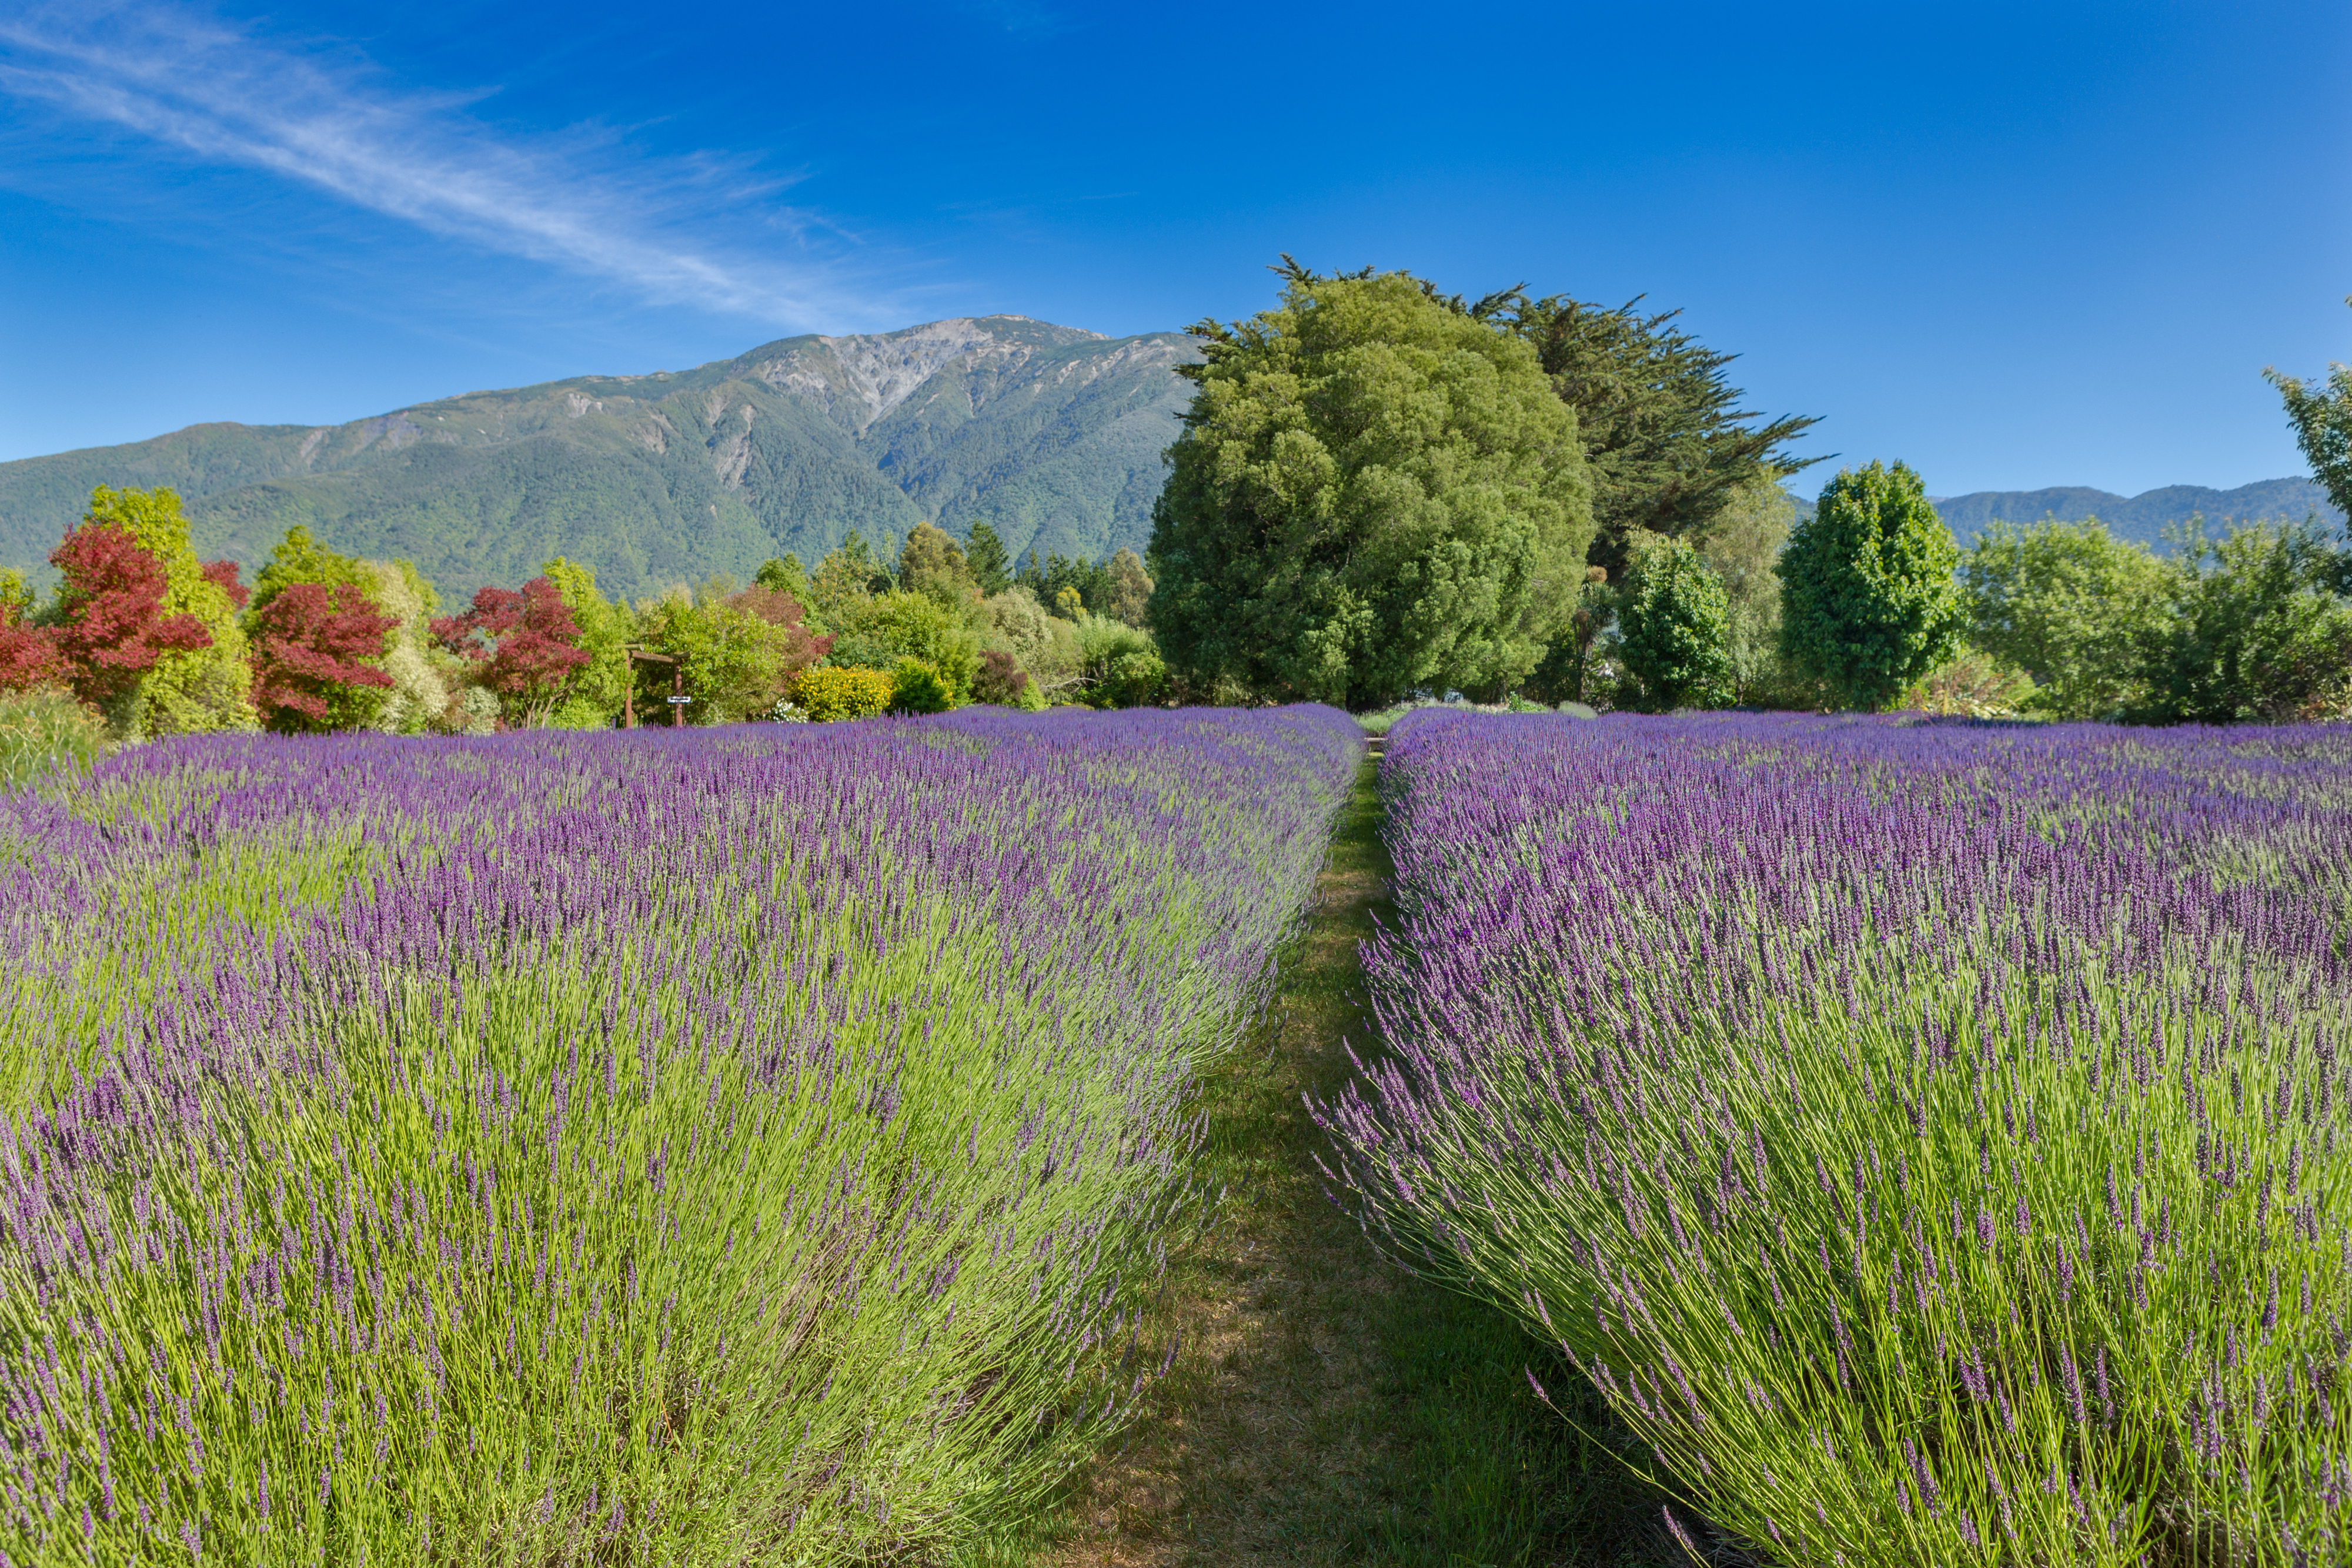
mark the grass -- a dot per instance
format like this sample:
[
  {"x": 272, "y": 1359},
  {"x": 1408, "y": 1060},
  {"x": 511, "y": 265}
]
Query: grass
[
  {"x": 45, "y": 732},
  {"x": 1327, "y": 1406}
]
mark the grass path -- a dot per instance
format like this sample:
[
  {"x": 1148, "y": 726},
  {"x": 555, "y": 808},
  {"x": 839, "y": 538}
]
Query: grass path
[{"x": 1327, "y": 1408}]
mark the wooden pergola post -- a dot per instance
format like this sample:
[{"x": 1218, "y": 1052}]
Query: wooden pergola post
[{"x": 676, "y": 687}]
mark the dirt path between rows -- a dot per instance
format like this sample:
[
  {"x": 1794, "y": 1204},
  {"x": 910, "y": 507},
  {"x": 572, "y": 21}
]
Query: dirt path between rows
[{"x": 1327, "y": 1408}]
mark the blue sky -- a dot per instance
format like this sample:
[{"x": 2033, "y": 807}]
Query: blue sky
[{"x": 2014, "y": 245}]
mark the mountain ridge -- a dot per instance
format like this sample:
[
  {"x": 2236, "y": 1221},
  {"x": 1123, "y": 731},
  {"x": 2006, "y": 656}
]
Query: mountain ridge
[
  {"x": 2143, "y": 518},
  {"x": 1052, "y": 434}
]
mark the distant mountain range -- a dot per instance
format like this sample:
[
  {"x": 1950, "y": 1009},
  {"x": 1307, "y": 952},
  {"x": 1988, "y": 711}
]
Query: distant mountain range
[
  {"x": 2144, "y": 517},
  {"x": 1050, "y": 434}
]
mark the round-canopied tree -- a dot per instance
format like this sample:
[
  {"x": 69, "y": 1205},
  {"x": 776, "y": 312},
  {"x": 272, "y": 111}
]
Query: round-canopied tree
[
  {"x": 524, "y": 648},
  {"x": 111, "y": 625},
  {"x": 1674, "y": 627},
  {"x": 1868, "y": 600},
  {"x": 150, "y": 631},
  {"x": 317, "y": 652},
  {"x": 1372, "y": 492}
]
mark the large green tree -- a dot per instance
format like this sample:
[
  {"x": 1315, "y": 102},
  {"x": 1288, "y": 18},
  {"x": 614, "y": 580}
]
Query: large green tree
[
  {"x": 1664, "y": 439},
  {"x": 991, "y": 566},
  {"x": 2322, "y": 417},
  {"x": 1868, "y": 603},
  {"x": 2070, "y": 605},
  {"x": 1373, "y": 491}
]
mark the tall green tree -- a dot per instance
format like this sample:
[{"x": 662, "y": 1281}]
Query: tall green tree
[
  {"x": 1868, "y": 603},
  {"x": 2322, "y": 417},
  {"x": 782, "y": 574},
  {"x": 2070, "y": 605},
  {"x": 1673, "y": 630},
  {"x": 1128, "y": 597},
  {"x": 1742, "y": 546},
  {"x": 1372, "y": 492},
  {"x": 300, "y": 558},
  {"x": 991, "y": 564},
  {"x": 1667, "y": 444},
  {"x": 594, "y": 697},
  {"x": 933, "y": 563}
]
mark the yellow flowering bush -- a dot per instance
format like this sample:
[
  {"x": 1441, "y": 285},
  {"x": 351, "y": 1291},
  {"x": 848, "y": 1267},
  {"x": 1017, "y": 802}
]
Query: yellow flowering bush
[{"x": 824, "y": 695}]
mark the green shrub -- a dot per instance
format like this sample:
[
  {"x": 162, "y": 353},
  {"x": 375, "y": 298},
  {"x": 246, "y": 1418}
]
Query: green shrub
[
  {"x": 1674, "y": 631},
  {"x": 878, "y": 632},
  {"x": 826, "y": 693},
  {"x": 2256, "y": 631},
  {"x": 1123, "y": 667},
  {"x": 1133, "y": 680},
  {"x": 1971, "y": 684},
  {"x": 45, "y": 732},
  {"x": 916, "y": 687},
  {"x": 1867, "y": 599}
]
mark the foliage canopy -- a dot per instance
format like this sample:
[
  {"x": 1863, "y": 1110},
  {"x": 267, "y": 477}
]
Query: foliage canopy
[
  {"x": 1868, "y": 603},
  {"x": 2322, "y": 417},
  {"x": 1372, "y": 492},
  {"x": 2070, "y": 605},
  {"x": 1666, "y": 445},
  {"x": 1674, "y": 632},
  {"x": 2255, "y": 631}
]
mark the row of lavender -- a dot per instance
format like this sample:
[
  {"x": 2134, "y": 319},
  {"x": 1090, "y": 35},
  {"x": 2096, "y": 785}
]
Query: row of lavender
[
  {"x": 726, "y": 1146},
  {"x": 1931, "y": 1139}
]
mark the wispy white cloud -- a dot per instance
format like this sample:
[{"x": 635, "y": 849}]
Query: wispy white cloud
[{"x": 661, "y": 226}]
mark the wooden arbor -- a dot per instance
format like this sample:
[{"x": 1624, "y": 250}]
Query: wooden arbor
[{"x": 677, "y": 697}]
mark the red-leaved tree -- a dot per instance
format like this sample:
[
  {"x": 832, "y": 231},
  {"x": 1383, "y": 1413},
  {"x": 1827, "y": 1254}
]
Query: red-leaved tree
[
  {"x": 314, "y": 647},
  {"x": 523, "y": 646},
  {"x": 111, "y": 626},
  {"x": 222, "y": 574}
]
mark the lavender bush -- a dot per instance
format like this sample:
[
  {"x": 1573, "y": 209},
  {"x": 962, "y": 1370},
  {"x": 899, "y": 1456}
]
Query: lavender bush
[
  {"x": 731, "y": 1146},
  {"x": 1930, "y": 1138}
]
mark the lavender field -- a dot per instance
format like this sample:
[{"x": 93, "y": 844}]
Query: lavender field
[
  {"x": 1931, "y": 1138},
  {"x": 735, "y": 1145}
]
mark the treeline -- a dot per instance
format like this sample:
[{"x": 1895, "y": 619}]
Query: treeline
[
  {"x": 142, "y": 639},
  {"x": 1383, "y": 492},
  {"x": 1872, "y": 605}
]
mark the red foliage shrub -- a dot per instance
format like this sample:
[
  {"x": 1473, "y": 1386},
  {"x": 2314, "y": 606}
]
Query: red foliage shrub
[
  {"x": 112, "y": 627},
  {"x": 799, "y": 647},
  {"x": 1000, "y": 679},
  {"x": 30, "y": 659},
  {"x": 523, "y": 646},
  {"x": 223, "y": 574},
  {"x": 312, "y": 645}
]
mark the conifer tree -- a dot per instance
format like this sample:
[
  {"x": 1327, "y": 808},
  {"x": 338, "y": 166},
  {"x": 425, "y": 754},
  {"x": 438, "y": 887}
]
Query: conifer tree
[{"x": 991, "y": 566}]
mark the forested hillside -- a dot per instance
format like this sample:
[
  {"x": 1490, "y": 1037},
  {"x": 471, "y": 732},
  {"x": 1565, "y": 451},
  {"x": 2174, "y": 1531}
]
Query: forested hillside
[{"x": 1050, "y": 435}]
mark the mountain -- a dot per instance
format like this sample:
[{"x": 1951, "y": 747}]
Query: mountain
[
  {"x": 2144, "y": 517},
  {"x": 1050, "y": 434}
]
